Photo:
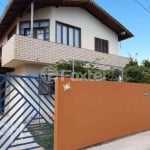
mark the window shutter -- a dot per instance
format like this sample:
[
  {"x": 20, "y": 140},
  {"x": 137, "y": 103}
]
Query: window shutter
[{"x": 101, "y": 45}]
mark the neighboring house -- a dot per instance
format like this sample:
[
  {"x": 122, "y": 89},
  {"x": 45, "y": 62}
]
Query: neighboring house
[{"x": 36, "y": 33}]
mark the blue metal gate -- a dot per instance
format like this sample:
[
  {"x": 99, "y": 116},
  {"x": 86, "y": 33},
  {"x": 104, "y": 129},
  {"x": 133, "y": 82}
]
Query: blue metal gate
[{"x": 26, "y": 113}]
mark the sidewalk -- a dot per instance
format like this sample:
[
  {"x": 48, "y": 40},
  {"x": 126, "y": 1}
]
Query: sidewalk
[{"x": 140, "y": 141}]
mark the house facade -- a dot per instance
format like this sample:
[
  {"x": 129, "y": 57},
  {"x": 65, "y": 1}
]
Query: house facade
[{"x": 34, "y": 34}]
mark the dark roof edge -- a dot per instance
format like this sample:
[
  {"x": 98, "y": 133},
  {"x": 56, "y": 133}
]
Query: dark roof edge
[
  {"x": 6, "y": 9},
  {"x": 124, "y": 29},
  {"x": 93, "y": 8}
]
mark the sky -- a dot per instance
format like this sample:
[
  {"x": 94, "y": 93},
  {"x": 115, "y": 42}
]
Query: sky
[{"x": 135, "y": 16}]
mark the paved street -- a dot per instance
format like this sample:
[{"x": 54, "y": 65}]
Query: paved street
[{"x": 139, "y": 141}]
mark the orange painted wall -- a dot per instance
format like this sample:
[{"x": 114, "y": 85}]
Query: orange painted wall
[{"x": 94, "y": 111}]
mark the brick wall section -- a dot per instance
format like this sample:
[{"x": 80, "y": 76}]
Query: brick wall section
[
  {"x": 30, "y": 50},
  {"x": 8, "y": 51}
]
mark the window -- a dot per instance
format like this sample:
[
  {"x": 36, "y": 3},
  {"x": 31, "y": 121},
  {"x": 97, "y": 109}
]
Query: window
[
  {"x": 68, "y": 35},
  {"x": 101, "y": 45},
  {"x": 40, "y": 29}
]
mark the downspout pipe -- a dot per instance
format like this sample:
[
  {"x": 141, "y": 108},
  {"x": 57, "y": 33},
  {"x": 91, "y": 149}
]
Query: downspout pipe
[{"x": 32, "y": 19}]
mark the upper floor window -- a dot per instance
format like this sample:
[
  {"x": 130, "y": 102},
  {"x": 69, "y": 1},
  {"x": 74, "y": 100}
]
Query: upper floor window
[
  {"x": 40, "y": 29},
  {"x": 68, "y": 35},
  {"x": 101, "y": 45}
]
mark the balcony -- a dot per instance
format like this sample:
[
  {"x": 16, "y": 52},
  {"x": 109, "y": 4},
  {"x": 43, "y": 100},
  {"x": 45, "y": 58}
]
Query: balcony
[{"x": 24, "y": 50}]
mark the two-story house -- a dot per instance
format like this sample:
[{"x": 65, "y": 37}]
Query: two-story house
[{"x": 34, "y": 33}]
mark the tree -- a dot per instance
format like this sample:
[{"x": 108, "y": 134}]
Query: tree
[
  {"x": 112, "y": 74},
  {"x": 132, "y": 62},
  {"x": 137, "y": 73},
  {"x": 77, "y": 69},
  {"x": 146, "y": 63},
  {"x": 133, "y": 72}
]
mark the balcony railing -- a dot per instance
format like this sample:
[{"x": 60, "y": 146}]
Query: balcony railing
[{"x": 21, "y": 50}]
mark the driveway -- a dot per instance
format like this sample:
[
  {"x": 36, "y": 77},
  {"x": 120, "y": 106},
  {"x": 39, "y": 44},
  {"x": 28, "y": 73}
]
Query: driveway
[{"x": 140, "y": 141}]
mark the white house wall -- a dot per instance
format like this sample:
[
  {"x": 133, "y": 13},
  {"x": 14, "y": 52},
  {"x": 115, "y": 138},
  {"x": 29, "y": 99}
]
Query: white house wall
[
  {"x": 75, "y": 16},
  {"x": 19, "y": 70},
  {"x": 33, "y": 69}
]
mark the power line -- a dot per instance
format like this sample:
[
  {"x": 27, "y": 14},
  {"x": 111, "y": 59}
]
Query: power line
[{"x": 141, "y": 5}]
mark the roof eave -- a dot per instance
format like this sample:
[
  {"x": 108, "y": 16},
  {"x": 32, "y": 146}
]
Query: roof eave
[
  {"x": 7, "y": 18},
  {"x": 122, "y": 32}
]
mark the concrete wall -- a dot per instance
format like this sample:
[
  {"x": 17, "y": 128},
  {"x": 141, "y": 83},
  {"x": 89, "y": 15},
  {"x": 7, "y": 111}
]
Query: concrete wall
[
  {"x": 75, "y": 16},
  {"x": 90, "y": 112}
]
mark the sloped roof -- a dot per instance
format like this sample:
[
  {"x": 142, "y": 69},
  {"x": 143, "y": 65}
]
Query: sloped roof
[{"x": 16, "y": 8}]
